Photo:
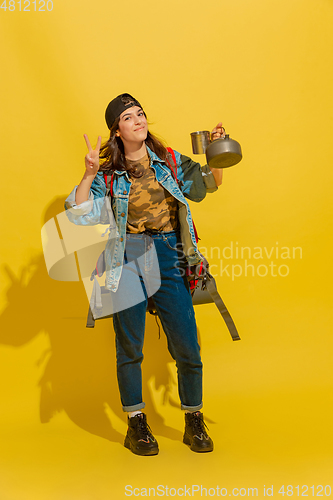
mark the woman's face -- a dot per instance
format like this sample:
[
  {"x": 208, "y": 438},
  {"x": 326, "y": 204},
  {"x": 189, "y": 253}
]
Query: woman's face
[{"x": 133, "y": 127}]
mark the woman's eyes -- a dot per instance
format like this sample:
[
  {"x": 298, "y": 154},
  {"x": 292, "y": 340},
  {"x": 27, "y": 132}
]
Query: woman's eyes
[{"x": 128, "y": 117}]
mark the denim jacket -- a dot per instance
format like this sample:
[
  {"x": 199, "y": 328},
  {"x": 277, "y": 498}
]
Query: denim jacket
[{"x": 195, "y": 182}]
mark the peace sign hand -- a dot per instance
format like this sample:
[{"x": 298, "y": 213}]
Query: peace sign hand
[{"x": 92, "y": 157}]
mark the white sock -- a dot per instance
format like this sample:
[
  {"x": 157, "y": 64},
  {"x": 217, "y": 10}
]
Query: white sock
[{"x": 133, "y": 413}]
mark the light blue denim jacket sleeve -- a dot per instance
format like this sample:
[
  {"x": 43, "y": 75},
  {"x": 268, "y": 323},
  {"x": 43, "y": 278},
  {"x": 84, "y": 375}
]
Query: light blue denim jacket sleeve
[{"x": 90, "y": 212}]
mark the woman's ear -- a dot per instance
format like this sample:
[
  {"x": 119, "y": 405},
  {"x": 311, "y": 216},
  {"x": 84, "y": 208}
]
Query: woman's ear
[{"x": 117, "y": 133}]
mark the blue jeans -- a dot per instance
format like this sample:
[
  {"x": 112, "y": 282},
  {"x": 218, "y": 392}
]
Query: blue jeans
[{"x": 174, "y": 306}]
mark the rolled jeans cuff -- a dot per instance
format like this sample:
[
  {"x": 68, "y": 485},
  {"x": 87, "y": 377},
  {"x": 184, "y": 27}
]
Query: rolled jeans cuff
[
  {"x": 192, "y": 408},
  {"x": 139, "y": 406}
]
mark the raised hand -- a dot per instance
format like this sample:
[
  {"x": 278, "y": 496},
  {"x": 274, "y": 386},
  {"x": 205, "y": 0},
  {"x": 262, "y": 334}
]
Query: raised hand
[
  {"x": 92, "y": 166},
  {"x": 92, "y": 157},
  {"x": 217, "y": 132}
]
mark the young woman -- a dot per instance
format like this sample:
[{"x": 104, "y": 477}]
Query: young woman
[{"x": 148, "y": 200}]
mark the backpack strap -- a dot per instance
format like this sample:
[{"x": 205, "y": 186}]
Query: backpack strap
[
  {"x": 94, "y": 304},
  {"x": 109, "y": 183},
  {"x": 174, "y": 166},
  {"x": 212, "y": 290},
  {"x": 90, "y": 319}
]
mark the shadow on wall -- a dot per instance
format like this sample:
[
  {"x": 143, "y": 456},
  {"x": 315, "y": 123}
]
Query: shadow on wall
[{"x": 80, "y": 365}]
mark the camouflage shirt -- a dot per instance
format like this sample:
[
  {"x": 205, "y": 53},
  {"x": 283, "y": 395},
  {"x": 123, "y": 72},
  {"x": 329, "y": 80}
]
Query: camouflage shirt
[{"x": 150, "y": 206}]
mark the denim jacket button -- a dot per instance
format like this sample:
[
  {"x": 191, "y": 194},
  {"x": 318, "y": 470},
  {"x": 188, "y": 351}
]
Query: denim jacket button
[
  {"x": 125, "y": 192},
  {"x": 122, "y": 214},
  {"x": 118, "y": 264},
  {"x": 121, "y": 238}
]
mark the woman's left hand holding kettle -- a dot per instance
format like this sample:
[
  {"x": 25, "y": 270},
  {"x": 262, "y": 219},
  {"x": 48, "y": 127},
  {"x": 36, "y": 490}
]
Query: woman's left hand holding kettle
[{"x": 217, "y": 132}]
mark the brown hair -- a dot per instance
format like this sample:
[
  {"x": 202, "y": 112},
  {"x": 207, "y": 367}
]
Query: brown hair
[{"x": 112, "y": 154}]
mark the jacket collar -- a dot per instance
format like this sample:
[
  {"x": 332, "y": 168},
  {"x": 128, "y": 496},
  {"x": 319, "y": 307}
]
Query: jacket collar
[{"x": 153, "y": 156}]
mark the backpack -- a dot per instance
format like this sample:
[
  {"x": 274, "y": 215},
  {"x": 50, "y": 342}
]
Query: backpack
[{"x": 202, "y": 284}]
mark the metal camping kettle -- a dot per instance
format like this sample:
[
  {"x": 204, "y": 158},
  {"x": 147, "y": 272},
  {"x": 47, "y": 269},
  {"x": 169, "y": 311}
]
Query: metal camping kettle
[{"x": 221, "y": 153}]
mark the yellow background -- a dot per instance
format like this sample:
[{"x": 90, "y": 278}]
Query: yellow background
[{"x": 263, "y": 67}]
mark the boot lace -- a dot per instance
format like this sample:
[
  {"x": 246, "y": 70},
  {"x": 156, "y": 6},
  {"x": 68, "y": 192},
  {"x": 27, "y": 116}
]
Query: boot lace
[
  {"x": 198, "y": 425},
  {"x": 144, "y": 431}
]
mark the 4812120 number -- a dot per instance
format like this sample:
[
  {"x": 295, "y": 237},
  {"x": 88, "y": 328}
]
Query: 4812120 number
[{"x": 24, "y": 5}]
